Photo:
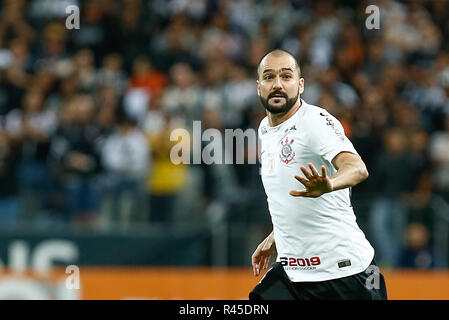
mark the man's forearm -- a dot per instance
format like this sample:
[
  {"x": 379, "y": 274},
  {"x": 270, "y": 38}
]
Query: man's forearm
[
  {"x": 349, "y": 175},
  {"x": 270, "y": 237}
]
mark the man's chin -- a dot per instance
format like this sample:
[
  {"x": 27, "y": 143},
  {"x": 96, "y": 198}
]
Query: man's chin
[{"x": 277, "y": 108}]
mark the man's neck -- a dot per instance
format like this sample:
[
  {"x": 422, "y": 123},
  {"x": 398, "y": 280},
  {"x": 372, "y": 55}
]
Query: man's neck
[{"x": 275, "y": 119}]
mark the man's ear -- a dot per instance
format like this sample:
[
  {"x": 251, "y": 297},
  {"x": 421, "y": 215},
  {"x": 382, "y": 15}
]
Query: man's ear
[
  {"x": 301, "y": 85},
  {"x": 258, "y": 87}
]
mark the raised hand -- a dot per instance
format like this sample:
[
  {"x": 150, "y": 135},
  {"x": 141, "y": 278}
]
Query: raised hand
[
  {"x": 261, "y": 257},
  {"x": 315, "y": 184}
]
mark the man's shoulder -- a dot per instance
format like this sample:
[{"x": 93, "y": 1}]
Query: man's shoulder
[
  {"x": 320, "y": 125},
  {"x": 263, "y": 126},
  {"x": 314, "y": 111},
  {"x": 313, "y": 116}
]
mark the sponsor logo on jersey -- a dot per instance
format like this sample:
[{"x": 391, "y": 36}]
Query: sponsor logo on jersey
[
  {"x": 287, "y": 154},
  {"x": 344, "y": 263},
  {"x": 263, "y": 130},
  {"x": 337, "y": 131},
  {"x": 290, "y": 129},
  {"x": 293, "y": 263}
]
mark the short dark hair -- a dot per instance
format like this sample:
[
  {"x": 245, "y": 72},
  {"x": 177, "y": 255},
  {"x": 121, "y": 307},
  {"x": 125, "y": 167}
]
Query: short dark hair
[{"x": 278, "y": 52}]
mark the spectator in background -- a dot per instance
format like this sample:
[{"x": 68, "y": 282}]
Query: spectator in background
[
  {"x": 111, "y": 74},
  {"x": 54, "y": 46},
  {"x": 220, "y": 40},
  {"x": 93, "y": 34},
  {"x": 280, "y": 10},
  {"x": 215, "y": 176},
  {"x": 176, "y": 43},
  {"x": 257, "y": 49},
  {"x": 374, "y": 60},
  {"x": 31, "y": 128},
  {"x": 418, "y": 196},
  {"x": 183, "y": 97},
  {"x": 369, "y": 123},
  {"x": 16, "y": 75},
  {"x": 68, "y": 87},
  {"x": 132, "y": 31},
  {"x": 145, "y": 84},
  {"x": 166, "y": 180},
  {"x": 439, "y": 153},
  {"x": 424, "y": 92},
  {"x": 125, "y": 157},
  {"x": 239, "y": 96},
  {"x": 108, "y": 102},
  {"x": 326, "y": 30},
  {"x": 76, "y": 154},
  {"x": 213, "y": 80},
  {"x": 417, "y": 252},
  {"x": 20, "y": 54},
  {"x": 9, "y": 189},
  {"x": 388, "y": 214},
  {"x": 439, "y": 10},
  {"x": 85, "y": 70},
  {"x": 349, "y": 52},
  {"x": 146, "y": 77},
  {"x": 330, "y": 80},
  {"x": 44, "y": 80},
  {"x": 13, "y": 22}
]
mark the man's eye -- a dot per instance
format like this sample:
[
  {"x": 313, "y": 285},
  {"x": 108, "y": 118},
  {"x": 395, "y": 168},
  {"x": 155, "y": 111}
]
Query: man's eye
[
  {"x": 267, "y": 77},
  {"x": 287, "y": 76}
]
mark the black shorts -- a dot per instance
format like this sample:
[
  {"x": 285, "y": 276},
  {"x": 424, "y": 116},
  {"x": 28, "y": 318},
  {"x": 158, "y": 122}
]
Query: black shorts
[{"x": 362, "y": 286}]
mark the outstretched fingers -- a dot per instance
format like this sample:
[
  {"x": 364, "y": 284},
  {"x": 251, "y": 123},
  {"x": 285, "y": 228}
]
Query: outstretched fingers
[
  {"x": 302, "y": 180},
  {"x": 314, "y": 171},
  {"x": 306, "y": 173},
  {"x": 323, "y": 172},
  {"x": 297, "y": 193},
  {"x": 256, "y": 265}
]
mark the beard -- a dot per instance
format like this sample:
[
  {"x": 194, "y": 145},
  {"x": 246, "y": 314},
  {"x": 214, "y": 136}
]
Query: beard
[{"x": 289, "y": 102}]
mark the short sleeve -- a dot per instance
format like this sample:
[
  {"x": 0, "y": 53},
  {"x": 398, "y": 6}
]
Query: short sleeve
[
  {"x": 327, "y": 137},
  {"x": 262, "y": 127}
]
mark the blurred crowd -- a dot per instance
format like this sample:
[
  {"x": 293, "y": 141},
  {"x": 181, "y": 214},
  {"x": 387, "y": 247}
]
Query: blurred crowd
[{"x": 86, "y": 114}]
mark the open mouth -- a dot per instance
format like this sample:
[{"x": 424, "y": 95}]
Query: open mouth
[{"x": 277, "y": 97}]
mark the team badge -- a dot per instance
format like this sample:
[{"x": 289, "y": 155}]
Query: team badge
[{"x": 287, "y": 153}]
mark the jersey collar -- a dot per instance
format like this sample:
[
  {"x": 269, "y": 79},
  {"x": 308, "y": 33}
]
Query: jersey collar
[{"x": 289, "y": 120}]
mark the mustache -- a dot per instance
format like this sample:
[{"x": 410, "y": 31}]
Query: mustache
[{"x": 275, "y": 93}]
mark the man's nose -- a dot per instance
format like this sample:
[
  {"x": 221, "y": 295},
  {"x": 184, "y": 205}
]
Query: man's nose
[{"x": 277, "y": 83}]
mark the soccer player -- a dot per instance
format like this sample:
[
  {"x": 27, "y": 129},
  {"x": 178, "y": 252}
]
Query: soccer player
[{"x": 308, "y": 166}]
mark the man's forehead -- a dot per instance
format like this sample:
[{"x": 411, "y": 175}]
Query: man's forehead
[{"x": 277, "y": 63}]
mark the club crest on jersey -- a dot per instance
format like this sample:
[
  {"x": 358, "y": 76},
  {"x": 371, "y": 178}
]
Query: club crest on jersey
[{"x": 287, "y": 153}]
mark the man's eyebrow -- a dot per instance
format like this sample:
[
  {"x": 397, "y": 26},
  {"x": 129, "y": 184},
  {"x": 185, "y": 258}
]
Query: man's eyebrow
[
  {"x": 268, "y": 70},
  {"x": 282, "y": 69}
]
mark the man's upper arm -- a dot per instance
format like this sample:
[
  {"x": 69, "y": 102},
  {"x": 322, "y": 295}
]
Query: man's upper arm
[
  {"x": 347, "y": 157},
  {"x": 327, "y": 136},
  {"x": 354, "y": 163}
]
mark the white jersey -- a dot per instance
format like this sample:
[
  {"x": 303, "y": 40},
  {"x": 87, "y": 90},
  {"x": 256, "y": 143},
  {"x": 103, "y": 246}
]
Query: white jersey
[{"x": 316, "y": 239}]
